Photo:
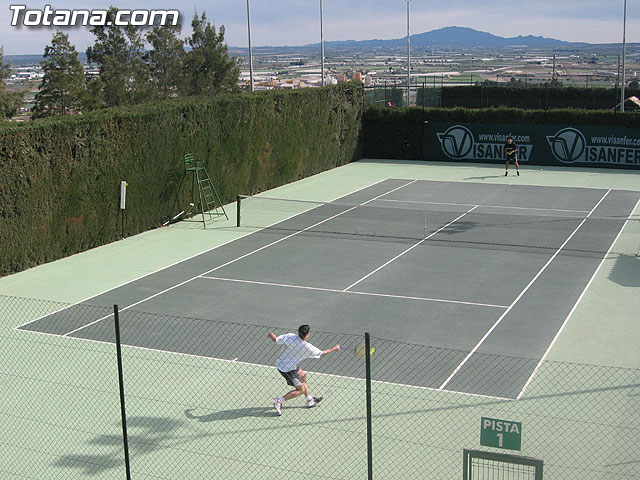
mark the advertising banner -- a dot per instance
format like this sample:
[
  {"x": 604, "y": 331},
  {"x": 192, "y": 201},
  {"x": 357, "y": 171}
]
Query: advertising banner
[{"x": 583, "y": 146}]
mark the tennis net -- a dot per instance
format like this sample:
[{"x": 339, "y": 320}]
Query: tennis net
[{"x": 469, "y": 226}]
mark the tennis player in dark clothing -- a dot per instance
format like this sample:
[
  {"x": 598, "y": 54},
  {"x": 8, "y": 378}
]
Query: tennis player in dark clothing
[{"x": 511, "y": 153}]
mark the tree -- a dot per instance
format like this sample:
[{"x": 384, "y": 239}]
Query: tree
[
  {"x": 93, "y": 97},
  {"x": 63, "y": 84},
  {"x": 208, "y": 69},
  {"x": 118, "y": 51},
  {"x": 634, "y": 84},
  {"x": 10, "y": 102},
  {"x": 165, "y": 60}
]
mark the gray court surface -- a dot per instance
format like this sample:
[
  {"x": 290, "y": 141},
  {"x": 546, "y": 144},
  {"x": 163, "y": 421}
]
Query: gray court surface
[{"x": 488, "y": 273}]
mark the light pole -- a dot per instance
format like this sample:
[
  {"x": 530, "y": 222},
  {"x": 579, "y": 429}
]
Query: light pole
[
  {"x": 321, "y": 43},
  {"x": 409, "y": 55},
  {"x": 250, "y": 53},
  {"x": 624, "y": 54}
]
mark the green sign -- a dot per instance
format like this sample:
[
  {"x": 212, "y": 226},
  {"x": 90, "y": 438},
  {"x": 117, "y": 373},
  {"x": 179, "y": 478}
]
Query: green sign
[{"x": 500, "y": 433}]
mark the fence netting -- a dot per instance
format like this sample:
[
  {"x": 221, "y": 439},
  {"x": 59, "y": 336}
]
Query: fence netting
[{"x": 199, "y": 404}]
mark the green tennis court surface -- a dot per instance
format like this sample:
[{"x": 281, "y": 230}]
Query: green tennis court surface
[
  {"x": 464, "y": 287},
  {"x": 467, "y": 267}
]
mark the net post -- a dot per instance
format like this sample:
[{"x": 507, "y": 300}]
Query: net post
[
  {"x": 238, "y": 200},
  {"x": 125, "y": 440},
  {"x": 367, "y": 349}
]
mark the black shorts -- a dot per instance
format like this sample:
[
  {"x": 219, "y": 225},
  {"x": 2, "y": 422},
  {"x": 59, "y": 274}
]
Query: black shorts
[{"x": 292, "y": 377}]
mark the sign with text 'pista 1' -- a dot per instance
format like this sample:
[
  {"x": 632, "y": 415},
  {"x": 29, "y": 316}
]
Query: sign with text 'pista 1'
[{"x": 500, "y": 433}]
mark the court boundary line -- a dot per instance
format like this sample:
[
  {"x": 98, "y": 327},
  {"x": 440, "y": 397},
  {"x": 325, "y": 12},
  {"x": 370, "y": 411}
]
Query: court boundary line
[
  {"x": 225, "y": 360},
  {"x": 575, "y": 306},
  {"x": 485, "y": 206},
  {"x": 495, "y": 325},
  {"x": 352, "y": 292},
  {"x": 242, "y": 256},
  {"x": 409, "y": 249},
  {"x": 246, "y": 234}
]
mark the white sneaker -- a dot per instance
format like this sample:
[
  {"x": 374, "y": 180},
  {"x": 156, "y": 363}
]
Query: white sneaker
[
  {"x": 277, "y": 404},
  {"x": 314, "y": 402}
]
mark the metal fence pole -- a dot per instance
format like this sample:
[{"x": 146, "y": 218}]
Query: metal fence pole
[
  {"x": 122, "y": 406},
  {"x": 367, "y": 349}
]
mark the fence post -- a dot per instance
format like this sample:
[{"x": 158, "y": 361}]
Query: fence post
[
  {"x": 367, "y": 349},
  {"x": 122, "y": 407}
]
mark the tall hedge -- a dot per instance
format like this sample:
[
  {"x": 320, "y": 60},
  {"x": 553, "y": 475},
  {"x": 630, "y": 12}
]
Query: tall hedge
[
  {"x": 60, "y": 178},
  {"x": 397, "y": 133}
]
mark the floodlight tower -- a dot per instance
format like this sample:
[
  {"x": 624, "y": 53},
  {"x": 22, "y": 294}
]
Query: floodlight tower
[
  {"x": 409, "y": 55},
  {"x": 624, "y": 54},
  {"x": 250, "y": 54},
  {"x": 321, "y": 44}
]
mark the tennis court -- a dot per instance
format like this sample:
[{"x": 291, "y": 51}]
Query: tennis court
[{"x": 479, "y": 269}]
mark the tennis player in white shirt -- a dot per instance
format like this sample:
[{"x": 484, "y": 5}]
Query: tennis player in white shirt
[{"x": 296, "y": 349}]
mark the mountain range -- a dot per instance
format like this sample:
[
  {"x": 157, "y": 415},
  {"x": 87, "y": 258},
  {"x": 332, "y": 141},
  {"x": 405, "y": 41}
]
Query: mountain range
[
  {"x": 454, "y": 37},
  {"x": 459, "y": 37}
]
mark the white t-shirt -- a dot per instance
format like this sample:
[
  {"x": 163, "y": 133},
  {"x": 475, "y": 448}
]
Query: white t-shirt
[{"x": 294, "y": 352}]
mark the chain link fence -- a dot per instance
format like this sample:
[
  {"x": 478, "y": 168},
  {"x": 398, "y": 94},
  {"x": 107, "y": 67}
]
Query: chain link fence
[
  {"x": 198, "y": 393},
  {"x": 426, "y": 93},
  {"x": 435, "y": 92}
]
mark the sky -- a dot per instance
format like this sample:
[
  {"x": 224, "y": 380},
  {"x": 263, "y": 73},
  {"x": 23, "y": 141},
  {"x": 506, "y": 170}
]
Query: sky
[{"x": 297, "y": 22}]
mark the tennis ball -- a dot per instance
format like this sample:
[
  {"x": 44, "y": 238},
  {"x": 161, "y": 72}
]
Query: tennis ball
[{"x": 360, "y": 351}]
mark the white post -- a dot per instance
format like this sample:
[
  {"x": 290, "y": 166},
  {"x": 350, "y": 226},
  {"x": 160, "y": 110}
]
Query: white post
[
  {"x": 250, "y": 52},
  {"x": 123, "y": 204},
  {"x": 321, "y": 43},
  {"x": 123, "y": 194}
]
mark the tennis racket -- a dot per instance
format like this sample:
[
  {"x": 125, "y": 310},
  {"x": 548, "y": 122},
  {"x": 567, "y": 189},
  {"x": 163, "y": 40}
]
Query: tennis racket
[
  {"x": 359, "y": 351},
  {"x": 179, "y": 216}
]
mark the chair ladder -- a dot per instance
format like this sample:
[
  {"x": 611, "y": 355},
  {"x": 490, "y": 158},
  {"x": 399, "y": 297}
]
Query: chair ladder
[{"x": 207, "y": 199}]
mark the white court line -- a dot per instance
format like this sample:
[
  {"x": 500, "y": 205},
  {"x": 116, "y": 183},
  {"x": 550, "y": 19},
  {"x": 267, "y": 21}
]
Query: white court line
[
  {"x": 495, "y": 325},
  {"x": 241, "y": 257},
  {"x": 566, "y": 320},
  {"x": 235, "y": 361},
  {"x": 352, "y": 292},
  {"x": 486, "y": 206},
  {"x": 408, "y": 249}
]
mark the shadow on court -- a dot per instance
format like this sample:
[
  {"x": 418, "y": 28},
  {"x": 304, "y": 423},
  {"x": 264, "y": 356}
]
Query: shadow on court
[
  {"x": 145, "y": 434},
  {"x": 233, "y": 414},
  {"x": 625, "y": 271},
  {"x": 484, "y": 177}
]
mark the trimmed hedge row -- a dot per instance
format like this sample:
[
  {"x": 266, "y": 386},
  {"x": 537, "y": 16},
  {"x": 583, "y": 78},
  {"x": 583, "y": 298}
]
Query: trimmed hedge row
[
  {"x": 397, "y": 133},
  {"x": 60, "y": 178}
]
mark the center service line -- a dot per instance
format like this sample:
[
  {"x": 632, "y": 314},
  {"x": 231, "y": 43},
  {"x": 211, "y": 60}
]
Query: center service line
[
  {"x": 409, "y": 249},
  {"x": 506, "y": 312}
]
